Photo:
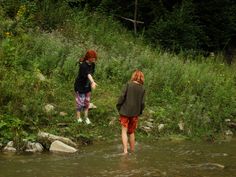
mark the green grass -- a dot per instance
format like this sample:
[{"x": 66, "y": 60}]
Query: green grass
[{"x": 200, "y": 93}]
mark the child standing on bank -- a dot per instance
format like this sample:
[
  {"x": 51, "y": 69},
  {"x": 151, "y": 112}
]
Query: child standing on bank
[
  {"x": 130, "y": 105},
  {"x": 84, "y": 82}
]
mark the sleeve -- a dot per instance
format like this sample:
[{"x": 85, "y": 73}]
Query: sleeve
[
  {"x": 143, "y": 103},
  {"x": 122, "y": 97}
]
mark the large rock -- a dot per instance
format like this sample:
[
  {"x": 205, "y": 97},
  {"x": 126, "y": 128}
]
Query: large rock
[
  {"x": 9, "y": 147},
  {"x": 58, "y": 146},
  {"x": 52, "y": 138},
  {"x": 34, "y": 147}
]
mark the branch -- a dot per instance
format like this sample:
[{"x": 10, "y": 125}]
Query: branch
[{"x": 133, "y": 21}]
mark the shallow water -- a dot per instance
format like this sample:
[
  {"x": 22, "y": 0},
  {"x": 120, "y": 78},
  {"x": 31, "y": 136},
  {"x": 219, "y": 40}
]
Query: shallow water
[{"x": 160, "y": 158}]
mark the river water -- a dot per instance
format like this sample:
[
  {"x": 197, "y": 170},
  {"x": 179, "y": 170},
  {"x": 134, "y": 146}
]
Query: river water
[{"x": 158, "y": 158}]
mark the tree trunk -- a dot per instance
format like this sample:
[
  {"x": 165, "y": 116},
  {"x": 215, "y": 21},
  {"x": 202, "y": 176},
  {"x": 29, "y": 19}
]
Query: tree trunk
[{"x": 135, "y": 16}]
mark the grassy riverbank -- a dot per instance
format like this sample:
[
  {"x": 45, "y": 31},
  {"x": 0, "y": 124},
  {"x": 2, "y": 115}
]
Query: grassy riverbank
[{"x": 38, "y": 67}]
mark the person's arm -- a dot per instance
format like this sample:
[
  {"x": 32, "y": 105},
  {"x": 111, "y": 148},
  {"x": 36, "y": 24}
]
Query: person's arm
[
  {"x": 122, "y": 97},
  {"x": 93, "y": 83},
  {"x": 143, "y": 103}
]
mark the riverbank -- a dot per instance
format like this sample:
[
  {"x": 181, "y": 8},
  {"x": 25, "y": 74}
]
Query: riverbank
[{"x": 191, "y": 96}]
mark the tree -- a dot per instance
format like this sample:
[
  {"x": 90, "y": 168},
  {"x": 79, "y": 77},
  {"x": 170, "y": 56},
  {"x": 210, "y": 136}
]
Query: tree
[
  {"x": 218, "y": 21},
  {"x": 177, "y": 30}
]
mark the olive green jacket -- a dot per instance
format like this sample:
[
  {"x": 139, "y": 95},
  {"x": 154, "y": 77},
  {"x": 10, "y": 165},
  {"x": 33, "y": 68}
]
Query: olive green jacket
[{"x": 131, "y": 100}]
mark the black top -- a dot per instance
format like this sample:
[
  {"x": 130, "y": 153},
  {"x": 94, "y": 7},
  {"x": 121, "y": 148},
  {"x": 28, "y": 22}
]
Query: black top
[
  {"x": 82, "y": 83},
  {"x": 131, "y": 100}
]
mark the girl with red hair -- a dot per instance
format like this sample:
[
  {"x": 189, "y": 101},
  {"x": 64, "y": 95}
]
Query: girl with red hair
[
  {"x": 84, "y": 83},
  {"x": 130, "y": 105}
]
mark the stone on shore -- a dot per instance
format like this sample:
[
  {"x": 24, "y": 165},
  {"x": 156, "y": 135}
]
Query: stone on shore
[
  {"x": 10, "y": 147},
  {"x": 34, "y": 147},
  {"x": 58, "y": 146},
  {"x": 52, "y": 138}
]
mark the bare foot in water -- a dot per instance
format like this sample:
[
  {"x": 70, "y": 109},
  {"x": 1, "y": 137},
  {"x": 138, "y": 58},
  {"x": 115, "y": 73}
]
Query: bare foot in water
[{"x": 123, "y": 154}]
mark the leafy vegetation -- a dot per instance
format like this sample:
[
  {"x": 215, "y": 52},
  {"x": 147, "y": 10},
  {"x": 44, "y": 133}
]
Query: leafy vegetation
[
  {"x": 38, "y": 67},
  {"x": 205, "y": 26}
]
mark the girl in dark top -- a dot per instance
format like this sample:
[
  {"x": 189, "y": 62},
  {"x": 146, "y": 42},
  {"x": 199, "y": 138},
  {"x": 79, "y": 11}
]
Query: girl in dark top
[
  {"x": 130, "y": 105},
  {"x": 84, "y": 83}
]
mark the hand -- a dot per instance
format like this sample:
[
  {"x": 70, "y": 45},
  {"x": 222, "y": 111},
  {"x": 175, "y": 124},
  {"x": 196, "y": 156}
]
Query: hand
[{"x": 93, "y": 85}]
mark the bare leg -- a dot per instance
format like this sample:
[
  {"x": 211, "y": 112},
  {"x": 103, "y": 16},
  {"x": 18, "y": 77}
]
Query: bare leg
[
  {"x": 132, "y": 141},
  {"x": 124, "y": 139},
  {"x": 86, "y": 117},
  {"x": 78, "y": 115},
  {"x": 86, "y": 112}
]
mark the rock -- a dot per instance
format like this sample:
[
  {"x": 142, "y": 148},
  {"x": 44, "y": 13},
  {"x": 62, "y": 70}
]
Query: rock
[
  {"x": 49, "y": 108},
  {"x": 151, "y": 120},
  {"x": 113, "y": 120},
  {"x": 58, "y": 146},
  {"x": 228, "y": 133},
  {"x": 146, "y": 129},
  {"x": 212, "y": 54},
  {"x": 9, "y": 147},
  {"x": 151, "y": 111},
  {"x": 149, "y": 124},
  {"x": 63, "y": 114},
  {"x": 227, "y": 120},
  {"x": 230, "y": 123},
  {"x": 10, "y": 144},
  {"x": 161, "y": 126},
  {"x": 181, "y": 125},
  {"x": 34, "y": 147},
  {"x": 40, "y": 76},
  {"x": 52, "y": 138},
  {"x": 38, "y": 147}
]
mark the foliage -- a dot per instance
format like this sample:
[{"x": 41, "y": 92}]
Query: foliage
[
  {"x": 205, "y": 25},
  {"x": 201, "y": 25},
  {"x": 218, "y": 20},
  {"x": 178, "y": 30},
  {"x": 11, "y": 128},
  {"x": 38, "y": 67}
]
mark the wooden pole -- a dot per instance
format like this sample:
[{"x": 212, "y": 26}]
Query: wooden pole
[
  {"x": 134, "y": 21},
  {"x": 135, "y": 16}
]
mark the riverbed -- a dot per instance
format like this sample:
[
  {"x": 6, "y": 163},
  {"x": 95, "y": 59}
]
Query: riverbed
[{"x": 152, "y": 158}]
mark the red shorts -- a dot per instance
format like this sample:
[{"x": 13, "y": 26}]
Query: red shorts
[{"x": 130, "y": 123}]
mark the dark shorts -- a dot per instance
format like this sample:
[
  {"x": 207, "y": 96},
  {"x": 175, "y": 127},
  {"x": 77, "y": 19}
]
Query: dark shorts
[
  {"x": 130, "y": 123},
  {"x": 82, "y": 101}
]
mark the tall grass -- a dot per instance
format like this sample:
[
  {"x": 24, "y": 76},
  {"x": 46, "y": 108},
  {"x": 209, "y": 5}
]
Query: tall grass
[{"x": 201, "y": 94}]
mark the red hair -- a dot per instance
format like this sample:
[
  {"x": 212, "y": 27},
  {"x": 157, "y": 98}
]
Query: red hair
[
  {"x": 89, "y": 54},
  {"x": 138, "y": 76}
]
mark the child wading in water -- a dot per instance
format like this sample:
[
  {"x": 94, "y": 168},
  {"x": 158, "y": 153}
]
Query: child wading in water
[
  {"x": 83, "y": 84},
  {"x": 130, "y": 105}
]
